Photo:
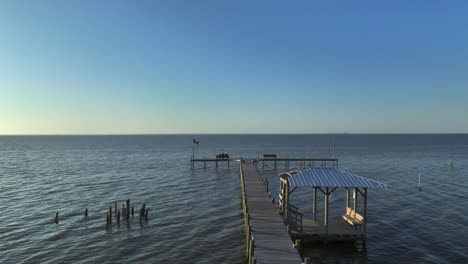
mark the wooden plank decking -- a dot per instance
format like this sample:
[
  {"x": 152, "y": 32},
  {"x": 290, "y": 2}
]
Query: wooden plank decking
[
  {"x": 272, "y": 241},
  {"x": 336, "y": 231}
]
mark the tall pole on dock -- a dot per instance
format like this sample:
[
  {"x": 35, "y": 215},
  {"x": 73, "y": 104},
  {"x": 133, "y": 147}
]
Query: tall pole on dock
[{"x": 195, "y": 142}]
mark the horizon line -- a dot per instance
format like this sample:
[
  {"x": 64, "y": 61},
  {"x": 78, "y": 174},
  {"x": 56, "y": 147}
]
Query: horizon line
[{"x": 240, "y": 134}]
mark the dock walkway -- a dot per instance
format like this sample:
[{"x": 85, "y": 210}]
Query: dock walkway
[{"x": 272, "y": 243}]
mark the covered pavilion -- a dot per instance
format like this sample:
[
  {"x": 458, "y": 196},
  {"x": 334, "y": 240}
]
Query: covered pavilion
[{"x": 326, "y": 180}]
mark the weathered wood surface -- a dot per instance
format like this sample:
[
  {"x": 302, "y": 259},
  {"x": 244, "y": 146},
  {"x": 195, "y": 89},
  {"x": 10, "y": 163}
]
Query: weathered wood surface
[
  {"x": 336, "y": 231},
  {"x": 272, "y": 242}
]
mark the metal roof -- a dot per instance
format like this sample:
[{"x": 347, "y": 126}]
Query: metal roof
[{"x": 331, "y": 177}]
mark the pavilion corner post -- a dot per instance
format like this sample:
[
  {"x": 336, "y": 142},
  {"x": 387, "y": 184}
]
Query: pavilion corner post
[
  {"x": 348, "y": 192},
  {"x": 314, "y": 205},
  {"x": 325, "y": 222},
  {"x": 365, "y": 209}
]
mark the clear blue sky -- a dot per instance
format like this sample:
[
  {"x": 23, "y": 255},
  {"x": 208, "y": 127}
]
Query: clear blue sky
[{"x": 111, "y": 67}]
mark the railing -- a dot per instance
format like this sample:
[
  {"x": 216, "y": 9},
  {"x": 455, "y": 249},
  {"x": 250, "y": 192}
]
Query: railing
[
  {"x": 294, "y": 217},
  {"x": 249, "y": 240}
]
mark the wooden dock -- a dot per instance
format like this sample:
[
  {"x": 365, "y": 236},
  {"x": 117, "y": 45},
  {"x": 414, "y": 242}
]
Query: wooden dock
[{"x": 267, "y": 239}]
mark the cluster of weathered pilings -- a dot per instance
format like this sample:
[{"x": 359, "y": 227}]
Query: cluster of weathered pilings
[{"x": 124, "y": 213}]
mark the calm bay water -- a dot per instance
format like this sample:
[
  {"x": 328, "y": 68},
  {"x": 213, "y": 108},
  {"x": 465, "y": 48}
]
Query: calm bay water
[{"x": 195, "y": 215}]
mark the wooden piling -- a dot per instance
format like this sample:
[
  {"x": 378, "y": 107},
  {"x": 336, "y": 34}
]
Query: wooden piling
[
  {"x": 86, "y": 213},
  {"x": 132, "y": 211},
  {"x": 142, "y": 211},
  {"x": 110, "y": 214},
  {"x": 56, "y": 220},
  {"x": 115, "y": 208},
  {"x": 127, "y": 212},
  {"x": 118, "y": 217},
  {"x": 146, "y": 214}
]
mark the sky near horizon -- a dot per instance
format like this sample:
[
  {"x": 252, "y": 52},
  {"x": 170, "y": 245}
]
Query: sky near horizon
[{"x": 131, "y": 67}]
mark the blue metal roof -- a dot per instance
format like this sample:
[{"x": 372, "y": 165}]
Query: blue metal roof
[{"x": 331, "y": 177}]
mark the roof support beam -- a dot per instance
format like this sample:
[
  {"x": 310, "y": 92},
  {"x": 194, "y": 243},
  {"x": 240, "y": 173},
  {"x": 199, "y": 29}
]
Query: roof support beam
[{"x": 293, "y": 190}]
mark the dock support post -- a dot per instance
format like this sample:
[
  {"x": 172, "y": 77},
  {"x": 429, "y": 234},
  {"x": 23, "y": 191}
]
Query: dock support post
[
  {"x": 326, "y": 211},
  {"x": 348, "y": 192},
  {"x": 355, "y": 199},
  {"x": 297, "y": 244},
  {"x": 314, "y": 204}
]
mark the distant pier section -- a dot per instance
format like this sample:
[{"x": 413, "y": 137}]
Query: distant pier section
[{"x": 269, "y": 158}]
